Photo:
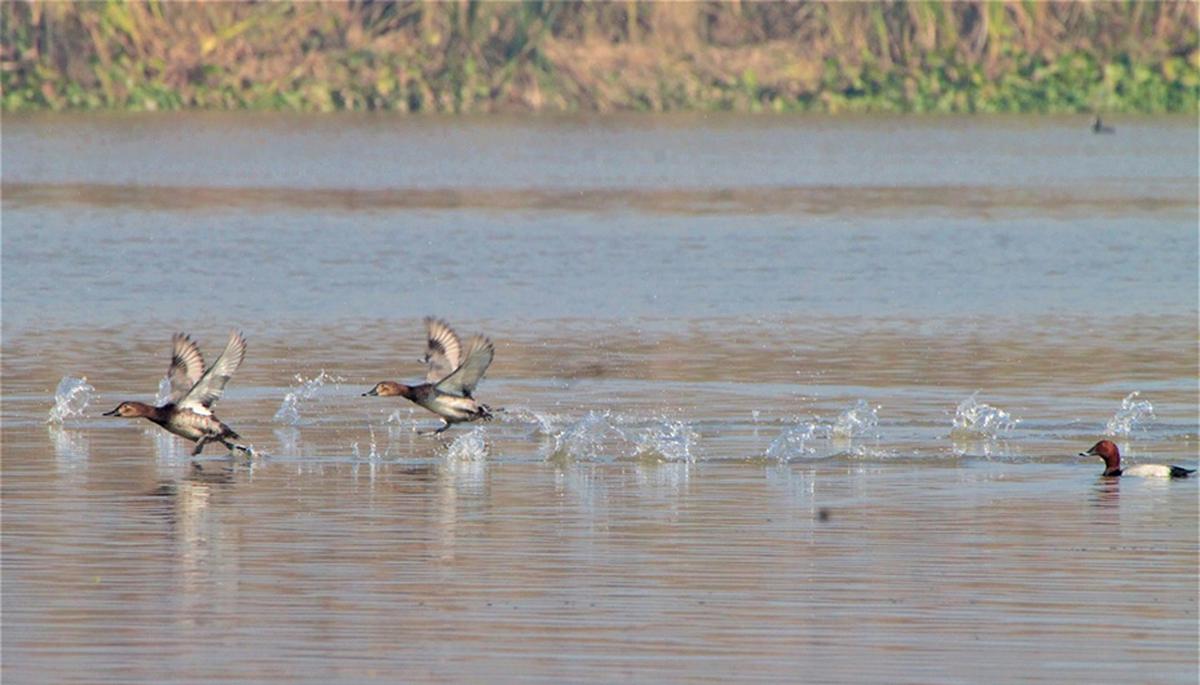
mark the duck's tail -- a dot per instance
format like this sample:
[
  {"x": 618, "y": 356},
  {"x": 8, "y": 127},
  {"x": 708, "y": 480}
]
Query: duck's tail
[{"x": 1180, "y": 472}]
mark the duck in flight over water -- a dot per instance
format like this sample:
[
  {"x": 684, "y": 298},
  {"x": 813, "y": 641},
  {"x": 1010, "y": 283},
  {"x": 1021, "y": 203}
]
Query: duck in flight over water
[
  {"x": 451, "y": 376},
  {"x": 188, "y": 409},
  {"x": 1107, "y": 450}
]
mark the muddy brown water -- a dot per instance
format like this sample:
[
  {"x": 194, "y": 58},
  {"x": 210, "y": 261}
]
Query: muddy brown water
[{"x": 783, "y": 399}]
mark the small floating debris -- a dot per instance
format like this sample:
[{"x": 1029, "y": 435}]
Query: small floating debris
[
  {"x": 71, "y": 399},
  {"x": 1134, "y": 414}
]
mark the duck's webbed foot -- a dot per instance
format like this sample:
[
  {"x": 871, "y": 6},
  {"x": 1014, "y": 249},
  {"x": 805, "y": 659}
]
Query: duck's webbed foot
[
  {"x": 204, "y": 440},
  {"x": 442, "y": 428},
  {"x": 234, "y": 448}
]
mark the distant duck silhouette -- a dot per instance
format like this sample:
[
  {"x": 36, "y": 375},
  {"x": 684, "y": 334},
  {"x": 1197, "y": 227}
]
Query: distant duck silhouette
[
  {"x": 451, "y": 378},
  {"x": 1099, "y": 127},
  {"x": 188, "y": 409}
]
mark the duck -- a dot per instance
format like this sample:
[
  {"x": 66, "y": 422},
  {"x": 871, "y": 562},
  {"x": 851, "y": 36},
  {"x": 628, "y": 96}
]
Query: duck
[
  {"x": 1099, "y": 127},
  {"x": 187, "y": 411},
  {"x": 1107, "y": 450},
  {"x": 452, "y": 372}
]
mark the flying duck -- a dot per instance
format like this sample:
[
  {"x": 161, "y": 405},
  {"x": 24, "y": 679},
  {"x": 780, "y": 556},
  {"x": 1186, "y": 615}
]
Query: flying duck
[
  {"x": 187, "y": 411},
  {"x": 451, "y": 376}
]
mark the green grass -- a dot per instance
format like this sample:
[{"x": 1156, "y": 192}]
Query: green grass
[{"x": 469, "y": 56}]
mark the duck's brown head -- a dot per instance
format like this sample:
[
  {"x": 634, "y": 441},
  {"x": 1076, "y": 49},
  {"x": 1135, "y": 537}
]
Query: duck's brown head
[
  {"x": 389, "y": 389},
  {"x": 1106, "y": 450},
  {"x": 131, "y": 410}
]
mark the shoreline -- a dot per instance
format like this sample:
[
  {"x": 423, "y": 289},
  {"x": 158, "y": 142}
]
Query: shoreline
[{"x": 467, "y": 58}]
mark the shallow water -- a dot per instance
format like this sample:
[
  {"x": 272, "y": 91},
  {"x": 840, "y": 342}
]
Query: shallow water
[{"x": 781, "y": 395}]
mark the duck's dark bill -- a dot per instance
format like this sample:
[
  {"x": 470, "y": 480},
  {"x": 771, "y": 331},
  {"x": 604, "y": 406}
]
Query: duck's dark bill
[
  {"x": 110, "y": 413},
  {"x": 370, "y": 392}
]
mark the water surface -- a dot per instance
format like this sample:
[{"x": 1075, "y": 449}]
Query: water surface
[{"x": 781, "y": 395}]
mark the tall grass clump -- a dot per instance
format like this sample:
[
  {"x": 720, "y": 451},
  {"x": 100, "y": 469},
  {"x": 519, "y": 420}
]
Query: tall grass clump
[{"x": 466, "y": 56}]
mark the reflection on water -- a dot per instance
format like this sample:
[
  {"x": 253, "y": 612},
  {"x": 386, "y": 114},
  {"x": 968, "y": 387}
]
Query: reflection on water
[
  {"x": 966, "y": 444},
  {"x": 1107, "y": 492},
  {"x": 71, "y": 449},
  {"x": 740, "y": 439},
  {"x": 382, "y": 562}
]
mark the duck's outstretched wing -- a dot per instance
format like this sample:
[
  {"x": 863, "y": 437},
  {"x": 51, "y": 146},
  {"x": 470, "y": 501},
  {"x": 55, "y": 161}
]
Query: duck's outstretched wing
[
  {"x": 464, "y": 379},
  {"x": 211, "y": 385},
  {"x": 443, "y": 351},
  {"x": 187, "y": 366}
]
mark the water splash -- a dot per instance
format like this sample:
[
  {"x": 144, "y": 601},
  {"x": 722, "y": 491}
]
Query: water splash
[
  {"x": 168, "y": 449},
  {"x": 71, "y": 399},
  {"x": 289, "y": 441},
  {"x": 164, "y": 392},
  {"x": 399, "y": 424},
  {"x": 373, "y": 449},
  {"x": 1134, "y": 414},
  {"x": 975, "y": 418},
  {"x": 793, "y": 442},
  {"x": 541, "y": 423},
  {"x": 859, "y": 421},
  {"x": 667, "y": 441},
  {"x": 289, "y": 410},
  {"x": 587, "y": 437},
  {"x": 469, "y": 446}
]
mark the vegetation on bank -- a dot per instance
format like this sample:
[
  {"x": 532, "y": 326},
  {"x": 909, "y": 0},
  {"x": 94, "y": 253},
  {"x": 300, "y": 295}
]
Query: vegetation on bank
[{"x": 469, "y": 56}]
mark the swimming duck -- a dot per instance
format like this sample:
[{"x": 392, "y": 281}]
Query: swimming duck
[
  {"x": 451, "y": 376},
  {"x": 1099, "y": 127},
  {"x": 1107, "y": 450},
  {"x": 188, "y": 409}
]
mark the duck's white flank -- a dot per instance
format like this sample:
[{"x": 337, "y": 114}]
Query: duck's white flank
[{"x": 1147, "y": 471}]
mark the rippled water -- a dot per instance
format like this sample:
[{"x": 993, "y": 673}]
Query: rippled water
[{"x": 779, "y": 396}]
